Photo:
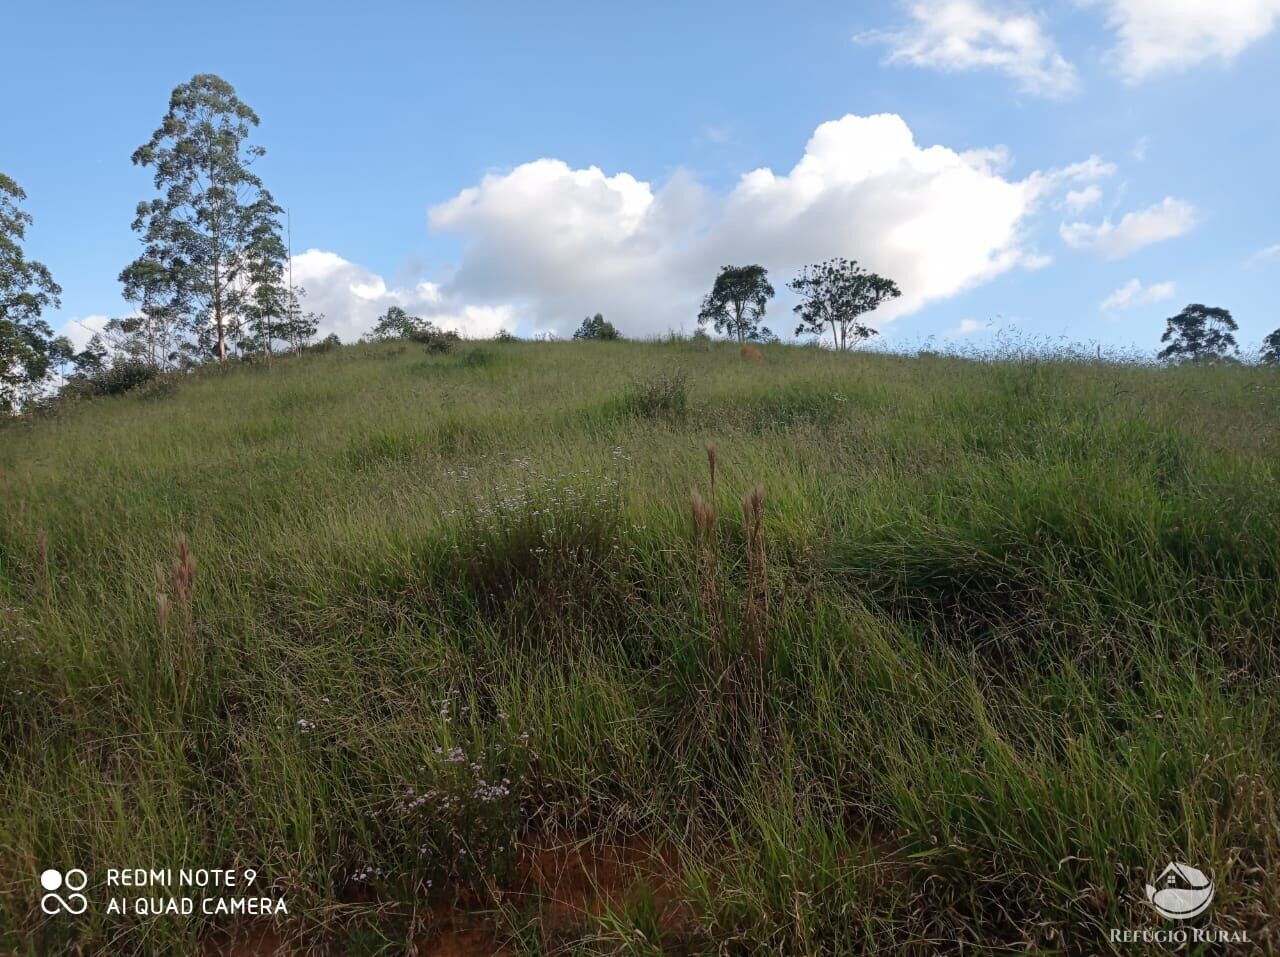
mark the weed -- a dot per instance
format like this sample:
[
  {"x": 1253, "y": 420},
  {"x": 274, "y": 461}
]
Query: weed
[{"x": 660, "y": 395}]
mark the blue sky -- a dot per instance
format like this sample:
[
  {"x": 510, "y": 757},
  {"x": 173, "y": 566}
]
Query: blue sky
[{"x": 522, "y": 165}]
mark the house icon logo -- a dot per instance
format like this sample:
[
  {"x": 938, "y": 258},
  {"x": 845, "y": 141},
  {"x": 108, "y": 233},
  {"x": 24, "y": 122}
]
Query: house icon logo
[{"x": 1180, "y": 892}]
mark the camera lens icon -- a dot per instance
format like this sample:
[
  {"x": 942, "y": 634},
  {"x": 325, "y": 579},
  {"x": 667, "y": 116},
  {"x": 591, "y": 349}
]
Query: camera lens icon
[{"x": 74, "y": 880}]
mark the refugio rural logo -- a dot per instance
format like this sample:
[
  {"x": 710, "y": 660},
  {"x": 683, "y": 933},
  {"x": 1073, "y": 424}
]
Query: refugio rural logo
[{"x": 1180, "y": 893}]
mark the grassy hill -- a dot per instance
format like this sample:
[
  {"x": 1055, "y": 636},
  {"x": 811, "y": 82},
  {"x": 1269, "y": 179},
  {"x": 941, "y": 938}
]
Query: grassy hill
[{"x": 432, "y": 643}]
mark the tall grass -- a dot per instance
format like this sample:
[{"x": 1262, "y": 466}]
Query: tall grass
[{"x": 984, "y": 647}]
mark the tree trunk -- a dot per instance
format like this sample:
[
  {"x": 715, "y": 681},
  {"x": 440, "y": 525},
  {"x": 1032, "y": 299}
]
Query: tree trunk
[{"x": 217, "y": 312}]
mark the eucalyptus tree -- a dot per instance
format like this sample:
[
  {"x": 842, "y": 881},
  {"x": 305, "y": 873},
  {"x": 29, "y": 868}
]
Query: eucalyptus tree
[
  {"x": 268, "y": 299},
  {"x": 299, "y": 327},
  {"x": 154, "y": 333},
  {"x": 834, "y": 295},
  {"x": 29, "y": 351},
  {"x": 736, "y": 303},
  {"x": 212, "y": 223},
  {"x": 1199, "y": 333}
]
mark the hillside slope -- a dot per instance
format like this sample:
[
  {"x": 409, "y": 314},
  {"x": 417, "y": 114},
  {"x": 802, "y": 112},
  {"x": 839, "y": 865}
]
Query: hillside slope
[{"x": 395, "y": 629}]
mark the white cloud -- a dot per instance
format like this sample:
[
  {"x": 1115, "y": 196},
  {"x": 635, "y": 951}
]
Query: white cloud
[
  {"x": 557, "y": 243},
  {"x": 351, "y": 298},
  {"x": 960, "y": 35},
  {"x": 1161, "y": 36},
  {"x": 81, "y": 329},
  {"x": 1133, "y": 293},
  {"x": 1262, "y": 254},
  {"x": 967, "y": 327},
  {"x": 1077, "y": 200},
  {"x": 1167, "y": 219}
]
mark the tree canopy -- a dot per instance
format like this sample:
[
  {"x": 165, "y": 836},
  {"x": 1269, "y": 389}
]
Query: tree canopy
[
  {"x": 212, "y": 237},
  {"x": 28, "y": 348},
  {"x": 834, "y": 295},
  {"x": 1271, "y": 348},
  {"x": 597, "y": 327},
  {"x": 736, "y": 303},
  {"x": 1199, "y": 332}
]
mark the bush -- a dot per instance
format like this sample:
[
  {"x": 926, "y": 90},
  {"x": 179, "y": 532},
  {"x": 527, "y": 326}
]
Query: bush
[
  {"x": 436, "y": 340},
  {"x": 505, "y": 335},
  {"x": 660, "y": 394},
  {"x": 123, "y": 375},
  {"x": 477, "y": 358}
]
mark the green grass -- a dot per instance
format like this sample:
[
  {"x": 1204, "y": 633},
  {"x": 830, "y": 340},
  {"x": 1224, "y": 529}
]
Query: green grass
[{"x": 1020, "y": 646}]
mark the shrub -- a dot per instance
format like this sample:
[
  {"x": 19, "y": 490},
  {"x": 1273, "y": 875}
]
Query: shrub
[
  {"x": 505, "y": 335},
  {"x": 436, "y": 340},
  {"x": 476, "y": 358},
  {"x": 120, "y": 377},
  {"x": 660, "y": 394}
]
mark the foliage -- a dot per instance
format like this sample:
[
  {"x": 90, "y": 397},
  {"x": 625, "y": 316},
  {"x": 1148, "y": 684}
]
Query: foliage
[
  {"x": 395, "y": 323},
  {"x": 1271, "y": 348},
  {"x": 436, "y": 340},
  {"x": 113, "y": 378},
  {"x": 212, "y": 252},
  {"x": 736, "y": 303},
  {"x": 597, "y": 327},
  {"x": 28, "y": 348},
  {"x": 1199, "y": 333},
  {"x": 834, "y": 295}
]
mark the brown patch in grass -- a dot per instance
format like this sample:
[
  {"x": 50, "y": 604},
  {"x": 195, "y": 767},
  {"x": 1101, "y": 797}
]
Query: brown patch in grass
[
  {"x": 572, "y": 879},
  {"x": 751, "y": 354}
]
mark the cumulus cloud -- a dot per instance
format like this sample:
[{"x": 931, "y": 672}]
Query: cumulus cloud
[
  {"x": 558, "y": 243},
  {"x": 1167, "y": 219},
  {"x": 1134, "y": 293},
  {"x": 1161, "y": 36},
  {"x": 351, "y": 298},
  {"x": 961, "y": 35},
  {"x": 544, "y": 244}
]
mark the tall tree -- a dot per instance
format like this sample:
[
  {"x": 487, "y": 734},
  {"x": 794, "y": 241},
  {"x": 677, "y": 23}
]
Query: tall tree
[
  {"x": 29, "y": 350},
  {"x": 1271, "y": 348},
  {"x": 835, "y": 295},
  {"x": 1199, "y": 332},
  {"x": 207, "y": 226},
  {"x": 737, "y": 302},
  {"x": 267, "y": 302}
]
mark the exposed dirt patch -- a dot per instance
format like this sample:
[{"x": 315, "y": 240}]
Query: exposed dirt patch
[{"x": 574, "y": 878}]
